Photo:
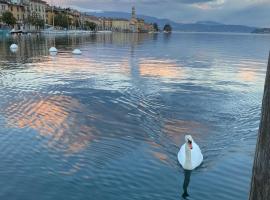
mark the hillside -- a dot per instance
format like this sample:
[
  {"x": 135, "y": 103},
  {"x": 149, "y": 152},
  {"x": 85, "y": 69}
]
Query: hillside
[{"x": 202, "y": 26}]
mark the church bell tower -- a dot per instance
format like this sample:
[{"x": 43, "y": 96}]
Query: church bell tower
[{"x": 133, "y": 15}]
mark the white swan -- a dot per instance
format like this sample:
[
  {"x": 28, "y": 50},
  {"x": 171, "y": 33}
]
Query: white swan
[{"x": 190, "y": 155}]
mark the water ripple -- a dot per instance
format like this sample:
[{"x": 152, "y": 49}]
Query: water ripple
[{"x": 109, "y": 123}]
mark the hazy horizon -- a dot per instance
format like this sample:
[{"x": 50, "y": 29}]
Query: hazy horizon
[{"x": 241, "y": 12}]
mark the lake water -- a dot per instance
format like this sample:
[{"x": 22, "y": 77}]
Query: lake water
[{"x": 108, "y": 124}]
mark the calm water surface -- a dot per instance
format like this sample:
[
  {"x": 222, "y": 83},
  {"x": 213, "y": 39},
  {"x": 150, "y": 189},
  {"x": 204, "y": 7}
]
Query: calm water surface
[{"x": 108, "y": 124}]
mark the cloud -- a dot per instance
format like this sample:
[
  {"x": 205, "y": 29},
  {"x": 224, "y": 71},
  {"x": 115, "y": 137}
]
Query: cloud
[
  {"x": 196, "y": 1},
  {"x": 82, "y": 9},
  {"x": 209, "y": 5}
]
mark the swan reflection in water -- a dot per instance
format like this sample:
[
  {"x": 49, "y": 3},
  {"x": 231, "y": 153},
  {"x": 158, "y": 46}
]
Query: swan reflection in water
[{"x": 187, "y": 174}]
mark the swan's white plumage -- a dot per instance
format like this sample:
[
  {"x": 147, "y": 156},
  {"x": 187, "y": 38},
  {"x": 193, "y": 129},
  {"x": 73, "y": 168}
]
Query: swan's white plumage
[{"x": 196, "y": 156}]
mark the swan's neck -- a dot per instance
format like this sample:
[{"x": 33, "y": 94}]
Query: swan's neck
[{"x": 188, "y": 156}]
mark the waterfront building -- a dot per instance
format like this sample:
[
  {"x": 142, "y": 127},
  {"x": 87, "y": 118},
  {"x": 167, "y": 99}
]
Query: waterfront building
[
  {"x": 141, "y": 25},
  {"x": 3, "y": 7},
  {"x": 149, "y": 27},
  {"x": 49, "y": 15},
  {"x": 138, "y": 25},
  {"x": 120, "y": 25},
  {"x": 37, "y": 9},
  {"x": 75, "y": 19},
  {"x": 133, "y": 23},
  {"x": 18, "y": 11},
  {"x": 93, "y": 19},
  {"x": 107, "y": 24},
  {"x": 25, "y": 10},
  {"x": 51, "y": 12}
]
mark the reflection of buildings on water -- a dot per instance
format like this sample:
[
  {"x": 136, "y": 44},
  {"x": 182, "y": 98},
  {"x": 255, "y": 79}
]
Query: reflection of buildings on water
[
  {"x": 28, "y": 47},
  {"x": 123, "y": 38},
  {"x": 61, "y": 119},
  {"x": 37, "y": 46}
]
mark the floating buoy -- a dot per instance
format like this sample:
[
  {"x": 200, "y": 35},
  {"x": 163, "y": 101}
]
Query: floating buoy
[
  {"x": 77, "y": 52},
  {"x": 53, "y": 49},
  {"x": 53, "y": 53},
  {"x": 14, "y": 48}
]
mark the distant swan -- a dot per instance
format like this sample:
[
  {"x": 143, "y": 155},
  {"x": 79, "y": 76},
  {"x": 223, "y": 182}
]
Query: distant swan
[{"x": 190, "y": 155}]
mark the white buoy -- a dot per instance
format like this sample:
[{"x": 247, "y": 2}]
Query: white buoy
[
  {"x": 77, "y": 52},
  {"x": 14, "y": 48},
  {"x": 53, "y": 53},
  {"x": 53, "y": 49}
]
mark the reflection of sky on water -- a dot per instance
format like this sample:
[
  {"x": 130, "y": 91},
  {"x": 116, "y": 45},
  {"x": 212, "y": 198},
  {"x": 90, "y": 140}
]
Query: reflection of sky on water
[
  {"x": 164, "y": 69},
  {"x": 54, "y": 117},
  {"x": 117, "y": 114},
  {"x": 177, "y": 129}
]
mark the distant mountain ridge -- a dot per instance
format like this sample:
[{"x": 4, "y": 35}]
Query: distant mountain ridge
[{"x": 201, "y": 26}]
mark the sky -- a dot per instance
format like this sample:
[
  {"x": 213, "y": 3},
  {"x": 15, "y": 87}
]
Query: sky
[{"x": 245, "y": 12}]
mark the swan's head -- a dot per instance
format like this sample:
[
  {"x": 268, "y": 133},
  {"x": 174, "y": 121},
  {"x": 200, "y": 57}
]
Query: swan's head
[{"x": 189, "y": 141}]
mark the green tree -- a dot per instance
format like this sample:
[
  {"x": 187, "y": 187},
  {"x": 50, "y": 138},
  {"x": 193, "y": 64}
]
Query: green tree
[
  {"x": 37, "y": 22},
  {"x": 90, "y": 25},
  {"x": 62, "y": 20},
  {"x": 156, "y": 28},
  {"x": 77, "y": 23},
  {"x": 167, "y": 28},
  {"x": 8, "y": 18}
]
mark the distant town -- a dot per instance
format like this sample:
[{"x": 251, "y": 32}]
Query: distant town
[{"x": 36, "y": 15}]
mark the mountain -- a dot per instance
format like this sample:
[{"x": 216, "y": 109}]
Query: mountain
[
  {"x": 201, "y": 26},
  {"x": 209, "y": 23},
  {"x": 213, "y": 27}
]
